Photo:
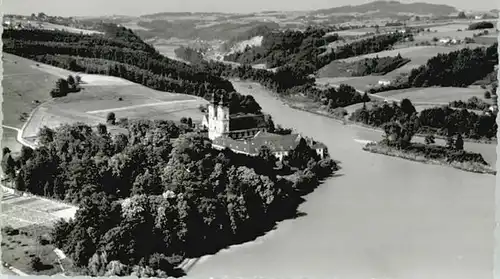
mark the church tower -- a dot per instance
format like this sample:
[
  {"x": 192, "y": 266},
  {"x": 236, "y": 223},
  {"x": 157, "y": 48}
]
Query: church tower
[{"x": 218, "y": 118}]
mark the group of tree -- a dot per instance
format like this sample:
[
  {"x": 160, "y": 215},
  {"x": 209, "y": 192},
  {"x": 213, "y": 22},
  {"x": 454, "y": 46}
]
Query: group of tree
[
  {"x": 405, "y": 123},
  {"x": 439, "y": 120},
  {"x": 158, "y": 194},
  {"x": 458, "y": 68},
  {"x": 65, "y": 86},
  {"x": 379, "y": 66},
  {"x": 481, "y": 25},
  {"x": 473, "y": 103}
]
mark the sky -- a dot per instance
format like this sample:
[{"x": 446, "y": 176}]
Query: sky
[{"x": 141, "y": 7}]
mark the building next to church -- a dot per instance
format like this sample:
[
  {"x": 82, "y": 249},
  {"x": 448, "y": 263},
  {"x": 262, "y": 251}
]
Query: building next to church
[{"x": 248, "y": 133}]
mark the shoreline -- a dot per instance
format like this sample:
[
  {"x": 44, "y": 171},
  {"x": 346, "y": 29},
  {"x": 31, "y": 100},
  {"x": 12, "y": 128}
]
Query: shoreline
[{"x": 473, "y": 167}]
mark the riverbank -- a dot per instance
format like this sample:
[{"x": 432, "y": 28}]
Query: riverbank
[
  {"x": 412, "y": 155},
  {"x": 318, "y": 111}
]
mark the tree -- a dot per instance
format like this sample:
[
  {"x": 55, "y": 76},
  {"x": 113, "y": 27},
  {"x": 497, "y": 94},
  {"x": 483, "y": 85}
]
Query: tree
[
  {"x": 450, "y": 142},
  {"x": 429, "y": 139},
  {"x": 102, "y": 129},
  {"x": 407, "y": 107},
  {"x": 45, "y": 135},
  {"x": 111, "y": 118},
  {"x": 5, "y": 151},
  {"x": 62, "y": 86},
  {"x": 366, "y": 98},
  {"x": 36, "y": 263},
  {"x": 9, "y": 166},
  {"x": 487, "y": 95},
  {"x": 459, "y": 142},
  {"x": 71, "y": 82},
  {"x": 461, "y": 15}
]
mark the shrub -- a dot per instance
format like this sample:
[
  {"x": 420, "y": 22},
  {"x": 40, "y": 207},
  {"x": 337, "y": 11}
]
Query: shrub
[
  {"x": 36, "y": 263},
  {"x": 10, "y": 230},
  {"x": 487, "y": 95},
  {"x": 111, "y": 118}
]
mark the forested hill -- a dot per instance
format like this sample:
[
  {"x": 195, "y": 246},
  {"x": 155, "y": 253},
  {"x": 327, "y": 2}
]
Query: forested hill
[
  {"x": 309, "y": 48},
  {"x": 118, "y": 53}
]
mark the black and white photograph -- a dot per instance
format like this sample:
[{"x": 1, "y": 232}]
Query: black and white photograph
[{"x": 319, "y": 139}]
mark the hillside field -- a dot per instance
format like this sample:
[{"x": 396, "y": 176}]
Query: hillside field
[{"x": 28, "y": 81}]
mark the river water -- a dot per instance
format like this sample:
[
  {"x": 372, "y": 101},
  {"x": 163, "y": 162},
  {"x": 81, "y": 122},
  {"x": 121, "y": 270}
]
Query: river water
[{"x": 381, "y": 217}]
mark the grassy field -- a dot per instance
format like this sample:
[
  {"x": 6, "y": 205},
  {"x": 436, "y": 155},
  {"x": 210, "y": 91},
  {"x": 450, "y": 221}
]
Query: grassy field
[
  {"x": 23, "y": 85},
  {"x": 436, "y": 94},
  {"x": 26, "y": 82},
  {"x": 19, "y": 248},
  {"x": 360, "y": 83}
]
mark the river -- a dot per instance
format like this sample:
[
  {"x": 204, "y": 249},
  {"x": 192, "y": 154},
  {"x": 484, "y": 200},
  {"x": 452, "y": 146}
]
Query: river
[{"x": 380, "y": 217}]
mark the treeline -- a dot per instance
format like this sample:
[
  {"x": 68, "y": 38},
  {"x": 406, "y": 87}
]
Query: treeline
[
  {"x": 160, "y": 194},
  {"x": 440, "y": 120},
  {"x": 290, "y": 80},
  {"x": 458, "y": 68},
  {"x": 189, "y": 54},
  {"x": 473, "y": 103},
  {"x": 36, "y": 43},
  {"x": 379, "y": 66}
]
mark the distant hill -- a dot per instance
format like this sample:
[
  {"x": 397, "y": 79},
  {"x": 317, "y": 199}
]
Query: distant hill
[{"x": 392, "y": 7}]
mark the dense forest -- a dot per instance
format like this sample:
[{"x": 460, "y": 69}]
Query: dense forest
[
  {"x": 443, "y": 121},
  {"x": 459, "y": 68},
  {"x": 151, "y": 198},
  {"x": 309, "y": 48}
]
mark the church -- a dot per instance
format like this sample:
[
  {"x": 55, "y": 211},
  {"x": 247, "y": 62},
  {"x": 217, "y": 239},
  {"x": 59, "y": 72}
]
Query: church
[{"x": 247, "y": 133}]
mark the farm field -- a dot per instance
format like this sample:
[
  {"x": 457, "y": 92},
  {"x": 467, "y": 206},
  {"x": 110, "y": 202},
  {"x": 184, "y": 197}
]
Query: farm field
[
  {"x": 20, "y": 211},
  {"x": 360, "y": 83},
  {"x": 436, "y": 94}
]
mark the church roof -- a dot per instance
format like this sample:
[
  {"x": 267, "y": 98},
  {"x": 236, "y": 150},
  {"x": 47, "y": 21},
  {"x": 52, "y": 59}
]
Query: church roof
[
  {"x": 247, "y": 121},
  {"x": 252, "y": 146}
]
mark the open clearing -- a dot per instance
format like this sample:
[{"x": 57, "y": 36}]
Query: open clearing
[{"x": 436, "y": 94}]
